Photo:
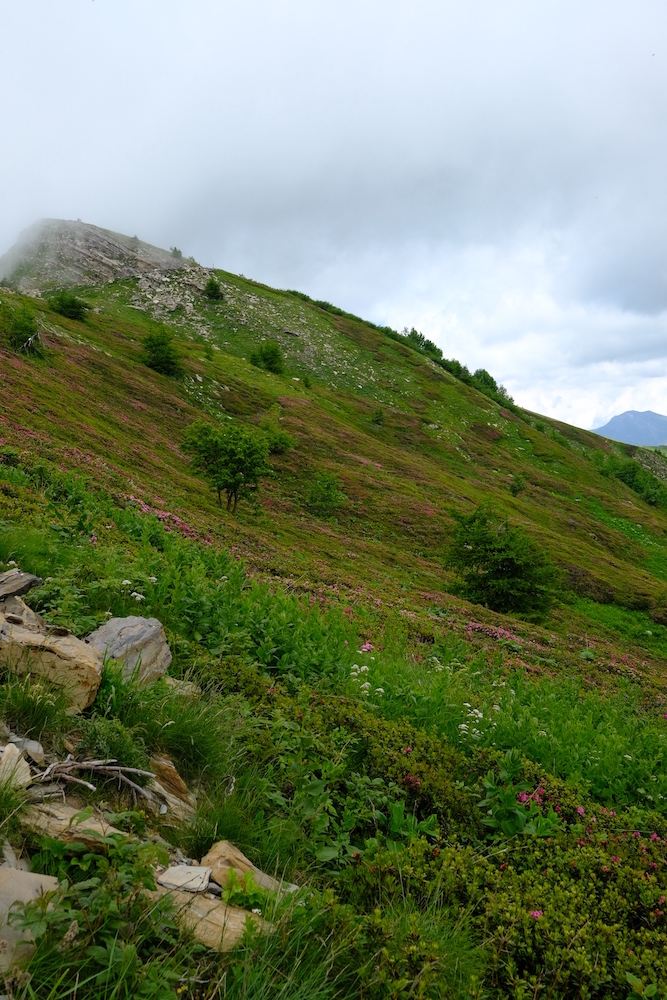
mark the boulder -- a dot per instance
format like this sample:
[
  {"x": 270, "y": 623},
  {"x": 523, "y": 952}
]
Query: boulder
[
  {"x": 15, "y": 582},
  {"x": 65, "y": 822},
  {"x": 63, "y": 660},
  {"x": 14, "y": 770},
  {"x": 186, "y": 878},
  {"x": 138, "y": 643},
  {"x": 216, "y": 924},
  {"x": 224, "y": 856},
  {"x": 17, "y": 886},
  {"x": 16, "y": 606}
]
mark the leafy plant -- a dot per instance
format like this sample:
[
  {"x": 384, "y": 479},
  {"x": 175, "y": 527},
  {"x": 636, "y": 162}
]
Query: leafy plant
[
  {"x": 517, "y": 485},
  {"x": 69, "y": 305},
  {"x": 232, "y": 458},
  {"x": 325, "y": 495},
  {"x": 22, "y": 334},
  {"x": 500, "y": 566},
  {"x": 160, "y": 353},
  {"x": 509, "y": 811},
  {"x": 279, "y": 441},
  {"x": 639, "y": 989}
]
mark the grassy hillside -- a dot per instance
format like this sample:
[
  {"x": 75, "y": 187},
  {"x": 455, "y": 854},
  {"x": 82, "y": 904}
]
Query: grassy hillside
[{"x": 368, "y": 796}]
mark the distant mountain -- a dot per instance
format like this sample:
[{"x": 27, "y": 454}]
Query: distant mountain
[{"x": 636, "y": 427}]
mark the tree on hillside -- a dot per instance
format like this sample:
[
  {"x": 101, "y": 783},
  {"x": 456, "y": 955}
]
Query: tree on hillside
[
  {"x": 212, "y": 289},
  {"x": 160, "y": 353},
  {"x": 232, "y": 458},
  {"x": 501, "y": 567},
  {"x": 268, "y": 355}
]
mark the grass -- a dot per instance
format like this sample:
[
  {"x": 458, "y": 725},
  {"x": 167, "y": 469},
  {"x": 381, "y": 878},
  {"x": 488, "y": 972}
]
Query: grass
[{"x": 361, "y": 785}]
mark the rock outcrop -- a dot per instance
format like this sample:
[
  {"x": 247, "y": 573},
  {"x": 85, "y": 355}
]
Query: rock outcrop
[
  {"x": 17, "y": 886},
  {"x": 224, "y": 856},
  {"x": 63, "y": 660},
  {"x": 138, "y": 643},
  {"x": 14, "y": 583},
  {"x": 53, "y": 253}
]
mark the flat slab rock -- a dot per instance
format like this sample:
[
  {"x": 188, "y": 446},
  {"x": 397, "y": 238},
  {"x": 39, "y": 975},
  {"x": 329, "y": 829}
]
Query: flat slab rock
[
  {"x": 63, "y": 660},
  {"x": 64, "y": 822},
  {"x": 216, "y": 924},
  {"x": 17, "y": 886},
  {"x": 186, "y": 878},
  {"x": 138, "y": 643},
  {"x": 14, "y": 769},
  {"x": 224, "y": 856},
  {"x": 15, "y": 582}
]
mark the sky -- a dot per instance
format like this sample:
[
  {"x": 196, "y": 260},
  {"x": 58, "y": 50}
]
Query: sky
[{"x": 491, "y": 173}]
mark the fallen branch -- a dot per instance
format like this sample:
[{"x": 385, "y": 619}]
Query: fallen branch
[{"x": 61, "y": 770}]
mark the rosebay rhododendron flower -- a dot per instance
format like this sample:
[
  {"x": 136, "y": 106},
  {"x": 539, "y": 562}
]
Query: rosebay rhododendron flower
[
  {"x": 581, "y": 810},
  {"x": 536, "y": 914}
]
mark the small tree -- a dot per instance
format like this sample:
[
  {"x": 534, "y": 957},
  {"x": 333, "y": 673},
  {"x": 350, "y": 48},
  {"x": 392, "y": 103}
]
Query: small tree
[
  {"x": 325, "y": 495},
  {"x": 22, "y": 332},
  {"x": 232, "y": 458},
  {"x": 501, "y": 567},
  {"x": 160, "y": 353},
  {"x": 268, "y": 355},
  {"x": 67, "y": 304},
  {"x": 212, "y": 289}
]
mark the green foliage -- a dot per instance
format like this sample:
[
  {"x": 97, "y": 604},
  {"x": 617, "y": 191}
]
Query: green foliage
[
  {"x": 32, "y": 707},
  {"x": 639, "y": 479},
  {"x": 22, "y": 332},
  {"x": 212, "y": 289},
  {"x": 325, "y": 495},
  {"x": 9, "y": 456},
  {"x": 279, "y": 441},
  {"x": 175, "y": 252},
  {"x": 269, "y": 356},
  {"x": 517, "y": 485},
  {"x": 378, "y": 417},
  {"x": 109, "y": 739},
  {"x": 160, "y": 353},
  {"x": 501, "y": 567},
  {"x": 510, "y": 811},
  {"x": 102, "y": 930},
  {"x": 69, "y": 305},
  {"x": 12, "y": 801},
  {"x": 232, "y": 458}
]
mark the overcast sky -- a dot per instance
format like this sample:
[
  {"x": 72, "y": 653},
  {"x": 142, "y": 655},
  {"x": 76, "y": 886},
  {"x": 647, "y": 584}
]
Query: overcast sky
[{"x": 493, "y": 173}]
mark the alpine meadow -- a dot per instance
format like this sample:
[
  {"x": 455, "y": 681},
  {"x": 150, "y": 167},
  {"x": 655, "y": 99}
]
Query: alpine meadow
[{"x": 328, "y": 671}]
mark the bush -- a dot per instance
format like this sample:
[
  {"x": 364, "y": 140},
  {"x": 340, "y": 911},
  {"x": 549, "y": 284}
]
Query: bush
[
  {"x": 212, "y": 289},
  {"x": 232, "y": 458},
  {"x": 269, "y": 356},
  {"x": 325, "y": 495},
  {"x": 500, "y": 566},
  {"x": 67, "y": 304},
  {"x": 279, "y": 441},
  {"x": 22, "y": 329},
  {"x": 160, "y": 354}
]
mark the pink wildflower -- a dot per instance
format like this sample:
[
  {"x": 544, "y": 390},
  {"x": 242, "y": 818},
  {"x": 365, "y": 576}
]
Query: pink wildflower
[
  {"x": 581, "y": 810},
  {"x": 536, "y": 914},
  {"x": 654, "y": 836}
]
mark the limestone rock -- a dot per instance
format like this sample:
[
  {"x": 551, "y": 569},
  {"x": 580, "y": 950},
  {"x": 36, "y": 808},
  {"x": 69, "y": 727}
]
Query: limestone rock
[
  {"x": 138, "y": 643},
  {"x": 14, "y": 770},
  {"x": 216, "y": 924},
  {"x": 63, "y": 822},
  {"x": 15, "y": 582},
  {"x": 224, "y": 855},
  {"x": 16, "y": 606},
  {"x": 187, "y": 688},
  {"x": 186, "y": 878},
  {"x": 166, "y": 773},
  {"x": 32, "y": 748},
  {"x": 63, "y": 660},
  {"x": 172, "y": 808},
  {"x": 17, "y": 886}
]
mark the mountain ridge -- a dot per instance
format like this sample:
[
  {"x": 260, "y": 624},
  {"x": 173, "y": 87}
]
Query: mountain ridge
[{"x": 637, "y": 427}]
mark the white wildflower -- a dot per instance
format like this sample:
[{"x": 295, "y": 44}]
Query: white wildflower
[
  {"x": 366, "y": 686},
  {"x": 137, "y": 596},
  {"x": 258, "y": 912},
  {"x": 126, "y": 583},
  {"x": 379, "y": 690},
  {"x": 364, "y": 670},
  {"x": 12, "y": 562},
  {"x": 496, "y": 708},
  {"x": 153, "y": 579},
  {"x": 542, "y": 732},
  {"x": 627, "y": 756}
]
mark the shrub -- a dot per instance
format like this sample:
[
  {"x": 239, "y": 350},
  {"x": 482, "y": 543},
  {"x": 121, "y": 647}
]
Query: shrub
[
  {"x": 269, "y": 356},
  {"x": 325, "y": 495},
  {"x": 67, "y": 304},
  {"x": 232, "y": 458},
  {"x": 279, "y": 441},
  {"x": 500, "y": 566},
  {"x": 212, "y": 289},
  {"x": 175, "y": 252},
  {"x": 160, "y": 354},
  {"x": 22, "y": 330},
  {"x": 9, "y": 456},
  {"x": 111, "y": 740},
  {"x": 517, "y": 485}
]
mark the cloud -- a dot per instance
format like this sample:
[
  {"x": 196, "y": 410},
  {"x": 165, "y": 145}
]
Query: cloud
[{"x": 491, "y": 173}]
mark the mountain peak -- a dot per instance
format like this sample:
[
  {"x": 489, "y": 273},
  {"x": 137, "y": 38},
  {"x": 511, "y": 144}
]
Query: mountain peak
[
  {"x": 639, "y": 427},
  {"x": 55, "y": 253}
]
